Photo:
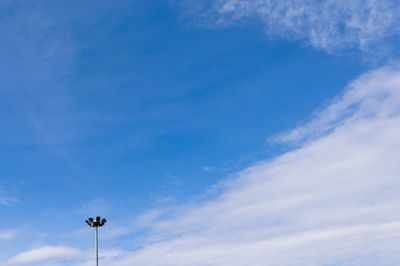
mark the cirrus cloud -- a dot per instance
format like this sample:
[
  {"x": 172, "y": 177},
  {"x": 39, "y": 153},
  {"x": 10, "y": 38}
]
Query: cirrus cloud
[
  {"x": 329, "y": 25},
  {"x": 45, "y": 253}
]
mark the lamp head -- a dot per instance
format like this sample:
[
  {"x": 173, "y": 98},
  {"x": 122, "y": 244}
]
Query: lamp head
[{"x": 98, "y": 222}]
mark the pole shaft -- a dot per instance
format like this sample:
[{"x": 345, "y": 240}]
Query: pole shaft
[{"x": 97, "y": 246}]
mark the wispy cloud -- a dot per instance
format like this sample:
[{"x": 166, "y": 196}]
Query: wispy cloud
[
  {"x": 360, "y": 99},
  {"x": 44, "y": 253},
  {"x": 328, "y": 25},
  {"x": 334, "y": 200},
  {"x": 7, "y": 197},
  {"x": 95, "y": 207},
  {"x": 6, "y": 200},
  {"x": 36, "y": 45},
  {"x": 7, "y": 235}
]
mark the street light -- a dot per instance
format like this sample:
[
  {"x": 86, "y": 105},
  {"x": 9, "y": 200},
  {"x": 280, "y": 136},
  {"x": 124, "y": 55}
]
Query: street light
[{"x": 96, "y": 223}]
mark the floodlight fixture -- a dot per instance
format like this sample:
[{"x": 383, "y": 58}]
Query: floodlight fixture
[{"x": 96, "y": 224}]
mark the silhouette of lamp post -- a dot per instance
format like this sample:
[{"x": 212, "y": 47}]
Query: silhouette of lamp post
[{"x": 96, "y": 223}]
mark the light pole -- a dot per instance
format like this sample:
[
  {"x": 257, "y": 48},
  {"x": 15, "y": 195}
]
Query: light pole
[{"x": 96, "y": 224}]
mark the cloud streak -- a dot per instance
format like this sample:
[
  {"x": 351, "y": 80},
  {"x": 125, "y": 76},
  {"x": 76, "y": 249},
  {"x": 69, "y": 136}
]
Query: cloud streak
[
  {"x": 44, "y": 253},
  {"x": 328, "y": 25},
  {"x": 6, "y": 197},
  {"x": 360, "y": 99},
  {"x": 7, "y": 235}
]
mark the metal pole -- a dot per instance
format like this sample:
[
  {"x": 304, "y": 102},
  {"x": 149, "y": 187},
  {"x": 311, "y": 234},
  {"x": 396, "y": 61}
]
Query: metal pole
[
  {"x": 97, "y": 246},
  {"x": 96, "y": 224}
]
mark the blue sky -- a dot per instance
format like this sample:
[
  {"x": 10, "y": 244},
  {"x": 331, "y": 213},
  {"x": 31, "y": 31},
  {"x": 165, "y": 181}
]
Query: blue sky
[{"x": 158, "y": 114}]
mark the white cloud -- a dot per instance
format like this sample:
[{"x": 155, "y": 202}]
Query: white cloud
[
  {"x": 361, "y": 99},
  {"x": 329, "y": 24},
  {"x": 7, "y": 235},
  {"x": 332, "y": 201},
  {"x": 96, "y": 206},
  {"x": 44, "y": 253},
  {"x": 8, "y": 200},
  {"x": 6, "y": 197}
]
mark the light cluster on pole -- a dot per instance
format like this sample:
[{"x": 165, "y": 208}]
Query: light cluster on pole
[{"x": 98, "y": 222}]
